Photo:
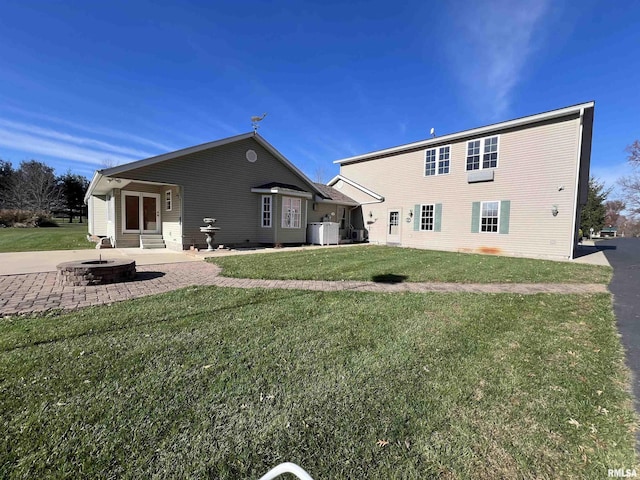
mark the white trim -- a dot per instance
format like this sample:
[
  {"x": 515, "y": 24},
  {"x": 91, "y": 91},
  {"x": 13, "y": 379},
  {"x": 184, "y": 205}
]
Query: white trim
[
  {"x": 394, "y": 238},
  {"x": 572, "y": 246},
  {"x": 141, "y": 195},
  {"x": 170, "y": 200},
  {"x": 433, "y": 217},
  {"x": 380, "y": 198},
  {"x": 437, "y": 160},
  {"x": 475, "y": 132},
  {"x": 483, "y": 142},
  {"x": 480, "y": 216},
  {"x": 298, "y": 214},
  {"x": 262, "y": 211}
]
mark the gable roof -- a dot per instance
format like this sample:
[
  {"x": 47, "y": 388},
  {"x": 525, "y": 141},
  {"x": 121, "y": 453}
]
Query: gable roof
[
  {"x": 468, "y": 133},
  {"x": 377, "y": 198},
  {"x": 114, "y": 171},
  {"x": 330, "y": 193}
]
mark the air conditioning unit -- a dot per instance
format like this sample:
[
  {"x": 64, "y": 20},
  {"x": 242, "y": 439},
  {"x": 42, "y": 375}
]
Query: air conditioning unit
[{"x": 357, "y": 235}]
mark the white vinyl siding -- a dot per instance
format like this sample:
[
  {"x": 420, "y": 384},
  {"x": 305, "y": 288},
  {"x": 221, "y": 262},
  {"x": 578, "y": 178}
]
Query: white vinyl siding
[
  {"x": 291, "y": 212},
  {"x": 266, "y": 211}
]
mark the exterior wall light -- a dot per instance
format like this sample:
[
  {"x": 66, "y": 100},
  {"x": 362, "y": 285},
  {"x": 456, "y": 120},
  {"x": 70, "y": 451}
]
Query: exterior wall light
[{"x": 554, "y": 210}]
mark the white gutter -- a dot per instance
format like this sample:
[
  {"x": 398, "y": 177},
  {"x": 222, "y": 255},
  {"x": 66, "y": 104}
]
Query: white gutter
[
  {"x": 575, "y": 198},
  {"x": 94, "y": 181}
]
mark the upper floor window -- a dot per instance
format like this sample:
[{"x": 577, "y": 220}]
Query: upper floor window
[
  {"x": 291, "y": 212},
  {"x": 487, "y": 148},
  {"x": 437, "y": 160}
]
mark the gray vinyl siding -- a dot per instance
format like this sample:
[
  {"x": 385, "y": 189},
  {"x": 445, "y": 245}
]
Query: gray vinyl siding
[
  {"x": 534, "y": 162},
  {"x": 98, "y": 214},
  {"x": 217, "y": 183}
]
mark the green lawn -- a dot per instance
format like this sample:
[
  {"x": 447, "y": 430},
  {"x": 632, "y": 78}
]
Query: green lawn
[
  {"x": 226, "y": 383},
  {"x": 67, "y": 236},
  {"x": 406, "y": 264}
]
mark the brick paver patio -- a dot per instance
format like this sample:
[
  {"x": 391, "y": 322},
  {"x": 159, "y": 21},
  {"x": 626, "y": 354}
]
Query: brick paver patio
[{"x": 38, "y": 292}]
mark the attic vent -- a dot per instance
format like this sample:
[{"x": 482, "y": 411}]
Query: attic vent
[
  {"x": 339, "y": 184},
  {"x": 251, "y": 155}
]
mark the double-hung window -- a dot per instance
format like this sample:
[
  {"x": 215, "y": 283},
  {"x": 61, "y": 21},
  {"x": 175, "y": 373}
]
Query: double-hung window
[
  {"x": 426, "y": 217},
  {"x": 482, "y": 153},
  {"x": 437, "y": 160},
  {"x": 266, "y": 211},
  {"x": 291, "y": 212},
  {"x": 168, "y": 200},
  {"x": 490, "y": 216}
]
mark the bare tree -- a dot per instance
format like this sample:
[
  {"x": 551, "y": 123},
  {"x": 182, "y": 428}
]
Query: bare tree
[
  {"x": 319, "y": 174},
  {"x": 34, "y": 187},
  {"x": 613, "y": 211},
  {"x": 631, "y": 183}
]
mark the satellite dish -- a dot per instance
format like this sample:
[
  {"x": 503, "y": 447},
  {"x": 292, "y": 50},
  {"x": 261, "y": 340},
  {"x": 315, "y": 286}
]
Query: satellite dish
[{"x": 433, "y": 132}]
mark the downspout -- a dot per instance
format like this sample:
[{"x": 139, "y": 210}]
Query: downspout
[{"x": 577, "y": 194}]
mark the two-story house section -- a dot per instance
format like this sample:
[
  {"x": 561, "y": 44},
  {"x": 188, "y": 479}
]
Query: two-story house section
[{"x": 511, "y": 188}]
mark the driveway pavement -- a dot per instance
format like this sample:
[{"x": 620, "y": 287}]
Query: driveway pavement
[{"x": 624, "y": 256}]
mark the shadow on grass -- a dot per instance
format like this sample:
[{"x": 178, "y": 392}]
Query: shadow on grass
[{"x": 389, "y": 278}]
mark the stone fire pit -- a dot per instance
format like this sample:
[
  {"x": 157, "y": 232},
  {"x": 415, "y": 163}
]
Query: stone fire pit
[{"x": 95, "y": 272}]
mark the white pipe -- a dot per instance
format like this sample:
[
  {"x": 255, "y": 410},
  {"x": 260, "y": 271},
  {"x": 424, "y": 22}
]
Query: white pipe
[{"x": 287, "y": 467}]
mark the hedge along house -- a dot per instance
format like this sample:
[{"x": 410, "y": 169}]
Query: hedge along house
[
  {"x": 254, "y": 192},
  {"x": 512, "y": 188}
]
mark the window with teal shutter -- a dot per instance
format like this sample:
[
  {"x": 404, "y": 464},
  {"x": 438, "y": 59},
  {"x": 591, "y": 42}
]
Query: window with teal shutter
[
  {"x": 437, "y": 222},
  {"x": 505, "y": 212},
  {"x": 475, "y": 217}
]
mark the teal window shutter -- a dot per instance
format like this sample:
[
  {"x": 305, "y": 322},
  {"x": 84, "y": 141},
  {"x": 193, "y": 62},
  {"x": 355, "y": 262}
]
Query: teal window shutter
[
  {"x": 475, "y": 217},
  {"x": 505, "y": 212},
  {"x": 437, "y": 220},
  {"x": 416, "y": 217}
]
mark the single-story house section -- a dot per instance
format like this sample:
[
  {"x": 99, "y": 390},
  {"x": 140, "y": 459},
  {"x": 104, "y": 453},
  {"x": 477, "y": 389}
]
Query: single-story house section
[
  {"x": 255, "y": 194},
  {"x": 512, "y": 188}
]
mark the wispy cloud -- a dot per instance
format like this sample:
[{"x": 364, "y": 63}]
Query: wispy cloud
[
  {"x": 490, "y": 47},
  {"x": 60, "y": 150},
  {"x": 65, "y": 137},
  {"x": 106, "y": 132}
]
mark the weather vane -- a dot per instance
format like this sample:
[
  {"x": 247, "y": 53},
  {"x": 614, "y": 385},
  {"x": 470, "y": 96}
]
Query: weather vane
[{"x": 255, "y": 121}]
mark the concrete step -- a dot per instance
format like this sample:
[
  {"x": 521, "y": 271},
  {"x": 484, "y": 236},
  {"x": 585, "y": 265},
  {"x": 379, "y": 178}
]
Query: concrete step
[{"x": 152, "y": 241}]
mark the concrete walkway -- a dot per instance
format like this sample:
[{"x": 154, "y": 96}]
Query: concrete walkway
[{"x": 38, "y": 292}]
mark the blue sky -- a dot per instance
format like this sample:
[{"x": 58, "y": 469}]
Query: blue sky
[{"x": 84, "y": 84}]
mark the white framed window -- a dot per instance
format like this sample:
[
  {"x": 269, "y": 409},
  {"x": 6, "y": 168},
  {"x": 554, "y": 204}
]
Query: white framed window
[
  {"x": 482, "y": 153},
  {"x": 437, "y": 161},
  {"x": 489, "y": 217},
  {"x": 427, "y": 217},
  {"x": 168, "y": 200},
  {"x": 291, "y": 212},
  {"x": 266, "y": 211}
]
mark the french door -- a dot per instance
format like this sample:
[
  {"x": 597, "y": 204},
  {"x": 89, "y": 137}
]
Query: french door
[{"x": 140, "y": 212}]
